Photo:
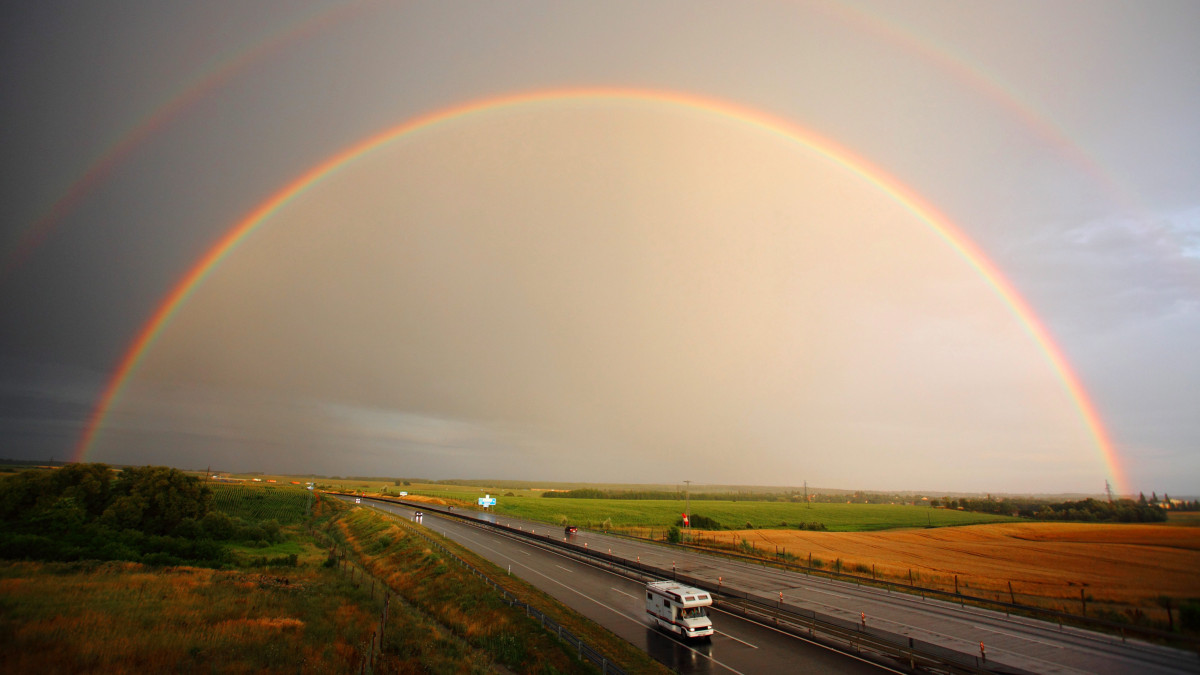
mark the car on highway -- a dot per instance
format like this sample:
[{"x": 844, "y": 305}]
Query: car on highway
[{"x": 571, "y": 529}]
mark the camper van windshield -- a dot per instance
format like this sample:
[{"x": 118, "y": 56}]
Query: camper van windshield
[{"x": 692, "y": 613}]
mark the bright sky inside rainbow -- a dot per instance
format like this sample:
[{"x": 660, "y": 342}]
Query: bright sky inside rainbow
[{"x": 1041, "y": 338}]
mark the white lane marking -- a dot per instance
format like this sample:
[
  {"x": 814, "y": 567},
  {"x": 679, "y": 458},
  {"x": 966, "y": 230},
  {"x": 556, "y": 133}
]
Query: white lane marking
[
  {"x": 733, "y": 638},
  {"x": 811, "y": 642},
  {"x": 564, "y": 569},
  {"x": 618, "y": 612},
  {"x": 624, "y": 593},
  {"x": 836, "y": 595},
  {"x": 1019, "y": 637}
]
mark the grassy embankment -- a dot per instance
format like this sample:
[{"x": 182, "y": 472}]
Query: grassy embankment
[
  {"x": 118, "y": 617},
  {"x": 268, "y": 611},
  {"x": 392, "y": 550}
]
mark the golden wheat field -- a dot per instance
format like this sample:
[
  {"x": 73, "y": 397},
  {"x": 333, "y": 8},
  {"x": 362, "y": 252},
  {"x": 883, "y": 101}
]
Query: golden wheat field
[{"x": 1122, "y": 564}]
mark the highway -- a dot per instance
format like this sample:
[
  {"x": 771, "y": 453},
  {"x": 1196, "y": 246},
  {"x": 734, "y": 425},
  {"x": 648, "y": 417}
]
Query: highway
[
  {"x": 615, "y": 602},
  {"x": 742, "y": 646}
]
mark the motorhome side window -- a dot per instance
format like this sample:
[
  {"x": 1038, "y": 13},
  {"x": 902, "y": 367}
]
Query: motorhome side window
[{"x": 649, "y": 597}]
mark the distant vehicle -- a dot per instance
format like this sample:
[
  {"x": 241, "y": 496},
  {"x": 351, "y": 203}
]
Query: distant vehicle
[
  {"x": 358, "y": 500},
  {"x": 418, "y": 516},
  {"x": 571, "y": 529},
  {"x": 679, "y": 609},
  {"x": 403, "y": 494}
]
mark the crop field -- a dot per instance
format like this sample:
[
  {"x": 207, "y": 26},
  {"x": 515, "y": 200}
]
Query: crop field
[
  {"x": 254, "y": 502},
  {"x": 1120, "y": 568},
  {"x": 641, "y": 516}
]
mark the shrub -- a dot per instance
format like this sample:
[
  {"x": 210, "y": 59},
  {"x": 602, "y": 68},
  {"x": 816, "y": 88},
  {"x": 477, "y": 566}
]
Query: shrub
[
  {"x": 1189, "y": 616},
  {"x": 702, "y": 522}
]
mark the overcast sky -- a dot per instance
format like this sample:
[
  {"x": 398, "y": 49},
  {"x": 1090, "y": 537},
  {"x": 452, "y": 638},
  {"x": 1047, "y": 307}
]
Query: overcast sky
[{"x": 609, "y": 288}]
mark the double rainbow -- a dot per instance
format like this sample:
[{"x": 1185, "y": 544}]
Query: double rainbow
[{"x": 784, "y": 129}]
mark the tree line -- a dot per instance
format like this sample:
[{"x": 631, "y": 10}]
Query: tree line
[
  {"x": 1087, "y": 510},
  {"x": 152, "y": 514}
]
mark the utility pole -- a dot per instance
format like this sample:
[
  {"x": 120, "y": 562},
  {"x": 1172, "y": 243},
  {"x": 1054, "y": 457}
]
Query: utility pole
[
  {"x": 806, "y": 495},
  {"x": 1108, "y": 489},
  {"x": 687, "y": 501}
]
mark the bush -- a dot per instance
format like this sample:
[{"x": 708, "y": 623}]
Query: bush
[
  {"x": 702, "y": 522},
  {"x": 289, "y": 560},
  {"x": 673, "y": 535},
  {"x": 1189, "y": 616}
]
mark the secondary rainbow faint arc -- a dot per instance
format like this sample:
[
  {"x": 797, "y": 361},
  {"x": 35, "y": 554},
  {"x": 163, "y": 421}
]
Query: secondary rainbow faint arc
[{"x": 788, "y": 130}]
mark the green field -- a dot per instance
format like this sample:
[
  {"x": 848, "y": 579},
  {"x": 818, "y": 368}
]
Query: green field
[
  {"x": 254, "y": 502},
  {"x": 628, "y": 513}
]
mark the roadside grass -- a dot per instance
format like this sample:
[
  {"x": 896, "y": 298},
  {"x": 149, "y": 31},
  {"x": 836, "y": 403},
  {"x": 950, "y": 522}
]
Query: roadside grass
[
  {"x": 117, "y": 617},
  {"x": 393, "y": 550},
  {"x": 652, "y": 517}
]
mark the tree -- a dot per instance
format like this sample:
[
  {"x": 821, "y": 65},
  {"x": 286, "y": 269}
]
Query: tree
[
  {"x": 1164, "y": 601},
  {"x": 156, "y": 499}
]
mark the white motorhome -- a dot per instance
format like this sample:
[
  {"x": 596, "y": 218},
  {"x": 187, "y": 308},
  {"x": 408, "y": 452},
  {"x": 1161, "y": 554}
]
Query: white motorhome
[{"x": 679, "y": 609}]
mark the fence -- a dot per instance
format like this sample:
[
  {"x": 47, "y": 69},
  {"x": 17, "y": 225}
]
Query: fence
[{"x": 582, "y": 649}]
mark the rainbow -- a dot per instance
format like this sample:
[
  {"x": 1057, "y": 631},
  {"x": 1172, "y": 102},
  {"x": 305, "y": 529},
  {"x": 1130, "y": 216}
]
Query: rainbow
[
  {"x": 784, "y": 129},
  {"x": 217, "y": 73}
]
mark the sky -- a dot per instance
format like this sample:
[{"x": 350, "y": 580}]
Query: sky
[{"x": 929, "y": 246}]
